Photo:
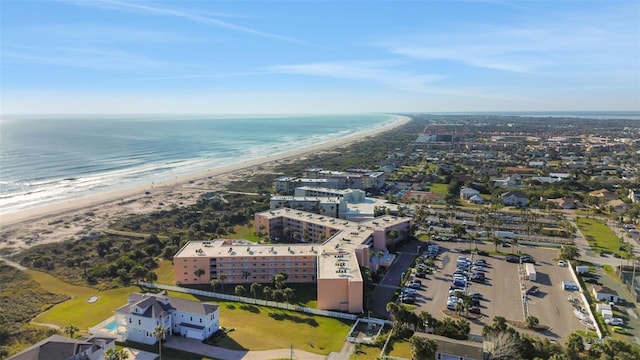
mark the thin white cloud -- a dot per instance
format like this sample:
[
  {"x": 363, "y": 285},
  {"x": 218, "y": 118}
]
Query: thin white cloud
[
  {"x": 186, "y": 15},
  {"x": 373, "y": 71},
  {"x": 92, "y": 58},
  {"x": 561, "y": 44},
  {"x": 97, "y": 33}
]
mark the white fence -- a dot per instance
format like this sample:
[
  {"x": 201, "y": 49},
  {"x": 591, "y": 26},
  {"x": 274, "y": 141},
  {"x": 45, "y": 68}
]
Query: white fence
[
  {"x": 584, "y": 301},
  {"x": 274, "y": 304}
]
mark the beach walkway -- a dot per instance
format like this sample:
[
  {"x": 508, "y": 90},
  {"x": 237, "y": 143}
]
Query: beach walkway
[{"x": 198, "y": 347}]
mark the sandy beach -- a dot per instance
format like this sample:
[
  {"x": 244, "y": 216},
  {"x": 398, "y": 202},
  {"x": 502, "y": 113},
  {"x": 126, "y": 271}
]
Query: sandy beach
[{"x": 79, "y": 217}]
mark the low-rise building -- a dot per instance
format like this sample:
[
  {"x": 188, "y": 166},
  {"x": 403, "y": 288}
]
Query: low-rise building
[
  {"x": 143, "y": 313},
  {"x": 332, "y": 256},
  {"x": 603, "y": 293},
  {"x": 468, "y": 193},
  {"x": 515, "y": 198},
  {"x": 58, "y": 347}
]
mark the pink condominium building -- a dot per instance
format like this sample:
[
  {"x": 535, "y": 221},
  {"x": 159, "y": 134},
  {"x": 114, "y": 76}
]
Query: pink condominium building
[{"x": 331, "y": 255}]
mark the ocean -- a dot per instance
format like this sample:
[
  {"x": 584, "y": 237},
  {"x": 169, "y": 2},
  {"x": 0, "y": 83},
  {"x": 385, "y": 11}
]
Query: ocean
[{"x": 51, "y": 159}]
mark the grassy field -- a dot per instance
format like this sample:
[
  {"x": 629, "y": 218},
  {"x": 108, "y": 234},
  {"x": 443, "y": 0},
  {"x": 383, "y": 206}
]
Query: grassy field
[
  {"x": 440, "y": 189},
  {"x": 78, "y": 311},
  {"x": 167, "y": 353},
  {"x": 245, "y": 232},
  {"x": 400, "y": 349},
  {"x": 165, "y": 273},
  {"x": 365, "y": 352},
  {"x": 599, "y": 235},
  {"x": 274, "y": 328},
  {"x": 268, "y": 329}
]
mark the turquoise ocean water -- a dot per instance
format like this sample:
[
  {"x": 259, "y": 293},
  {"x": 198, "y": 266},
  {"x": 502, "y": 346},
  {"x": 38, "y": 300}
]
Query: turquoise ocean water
[{"x": 50, "y": 159}]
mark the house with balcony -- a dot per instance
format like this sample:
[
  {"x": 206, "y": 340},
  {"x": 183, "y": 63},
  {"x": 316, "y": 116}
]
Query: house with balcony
[
  {"x": 58, "y": 347},
  {"x": 515, "y": 198},
  {"x": 468, "y": 193},
  {"x": 143, "y": 313}
]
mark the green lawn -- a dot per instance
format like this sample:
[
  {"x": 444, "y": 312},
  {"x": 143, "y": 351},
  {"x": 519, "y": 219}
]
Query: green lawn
[
  {"x": 365, "y": 352},
  {"x": 165, "y": 273},
  {"x": 400, "y": 349},
  {"x": 599, "y": 235},
  {"x": 167, "y": 353},
  {"x": 255, "y": 327},
  {"x": 78, "y": 311},
  {"x": 261, "y": 328},
  {"x": 440, "y": 189},
  {"x": 245, "y": 232}
]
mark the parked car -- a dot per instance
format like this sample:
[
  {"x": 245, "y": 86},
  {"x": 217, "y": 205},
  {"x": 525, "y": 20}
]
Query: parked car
[
  {"x": 460, "y": 283},
  {"x": 480, "y": 262},
  {"x": 477, "y": 279},
  {"x": 591, "y": 280},
  {"x": 512, "y": 259},
  {"x": 527, "y": 259},
  {"x": 476, "y": 295},
  {"x": 409, "y": 291},
  {"x": 561, "y": 263},
  {"x": 421, "y": 274},
  {"x": 479, "y": 268},
  {"x": 408, "y": 299},
  {"x": 475, "y": 310},
  {"x": 533, "y": 290},
  {"x": 482, "y": 253},
  {"x": 620, "y": 330},
  {"x": 614, "y": 321},
  {"x": 416, "y": 281},
  {"x": 414, "y": 286}
]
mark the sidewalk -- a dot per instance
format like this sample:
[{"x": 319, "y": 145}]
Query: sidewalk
[
  {"x": 586, "y": 252},
  {"x": 198, "y": 347}
]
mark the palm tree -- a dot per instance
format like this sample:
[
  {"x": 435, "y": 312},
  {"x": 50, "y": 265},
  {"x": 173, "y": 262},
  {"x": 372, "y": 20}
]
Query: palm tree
[
  {"x": 198, "y": 273},
  {"x": 279, "y": 280},
  {"x": 4, "y": 352},
  {"x": 428, "y": 321},
  {"x": 255, "y": 287},
  {"x": 392, "y": 309},
  {"x": 222, "y": 278},
  {"x": 115, "y": 354},
  {"x": 70, "y": 330},
  {"x": 422, "y": 348},
  {"x": 267, "y": 292},
  {"x": 239, "y": 290},
  {"x": 460, "y": 307},
  {"x": 158, "y": 332},
  {"x": 214, "y": 283},
  {"x": 289, "y": 295}
]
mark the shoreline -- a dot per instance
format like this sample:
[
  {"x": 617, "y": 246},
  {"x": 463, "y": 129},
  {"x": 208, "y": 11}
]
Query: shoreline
[{"x": 47, "y": 223}]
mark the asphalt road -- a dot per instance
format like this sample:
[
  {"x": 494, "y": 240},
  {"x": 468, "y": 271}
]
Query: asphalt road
[{"x": 383, "y": 292}]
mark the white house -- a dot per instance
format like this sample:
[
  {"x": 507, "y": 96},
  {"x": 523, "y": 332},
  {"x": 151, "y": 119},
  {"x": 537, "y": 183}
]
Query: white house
[
  {"x": 145, "y": 312},
  {"x": 634, "y": 195},
  {"x": 58, "y": 347},
  {"x": 468, "y": 193},
  {"x": 603, "y": 293},
  {"x": 515, "y": 198}
]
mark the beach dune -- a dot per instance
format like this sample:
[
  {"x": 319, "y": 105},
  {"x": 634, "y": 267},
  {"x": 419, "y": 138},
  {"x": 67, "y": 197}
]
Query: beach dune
[{"x": 82, "y": 217}]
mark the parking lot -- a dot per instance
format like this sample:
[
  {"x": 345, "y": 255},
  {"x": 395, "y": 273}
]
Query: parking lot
[{"x": 503, "y": 290}]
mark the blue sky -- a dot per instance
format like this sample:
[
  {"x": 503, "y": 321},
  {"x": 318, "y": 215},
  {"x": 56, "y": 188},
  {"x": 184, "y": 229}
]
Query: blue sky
[{"x": 318, "y": 56}]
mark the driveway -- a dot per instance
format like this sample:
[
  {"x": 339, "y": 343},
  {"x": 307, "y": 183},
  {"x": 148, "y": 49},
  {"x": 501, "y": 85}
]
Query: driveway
[
  {"x": 215, "y": 352},
  {"x": 383, "y": 292}
]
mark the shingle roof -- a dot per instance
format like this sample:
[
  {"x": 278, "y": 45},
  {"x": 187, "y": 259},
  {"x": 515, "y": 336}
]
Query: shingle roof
[
  {"x": 153, "y": 305},
  {"x": 58, "y": 347}
]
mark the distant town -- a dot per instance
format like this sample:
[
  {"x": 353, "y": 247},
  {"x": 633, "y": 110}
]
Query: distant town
[{"x": 450, "y": 237}]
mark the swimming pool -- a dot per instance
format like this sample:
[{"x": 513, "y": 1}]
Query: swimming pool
[{"x": 112, "y": 326}]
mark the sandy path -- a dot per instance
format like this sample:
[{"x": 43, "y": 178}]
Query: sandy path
[{"x": 80, "y": 217}]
